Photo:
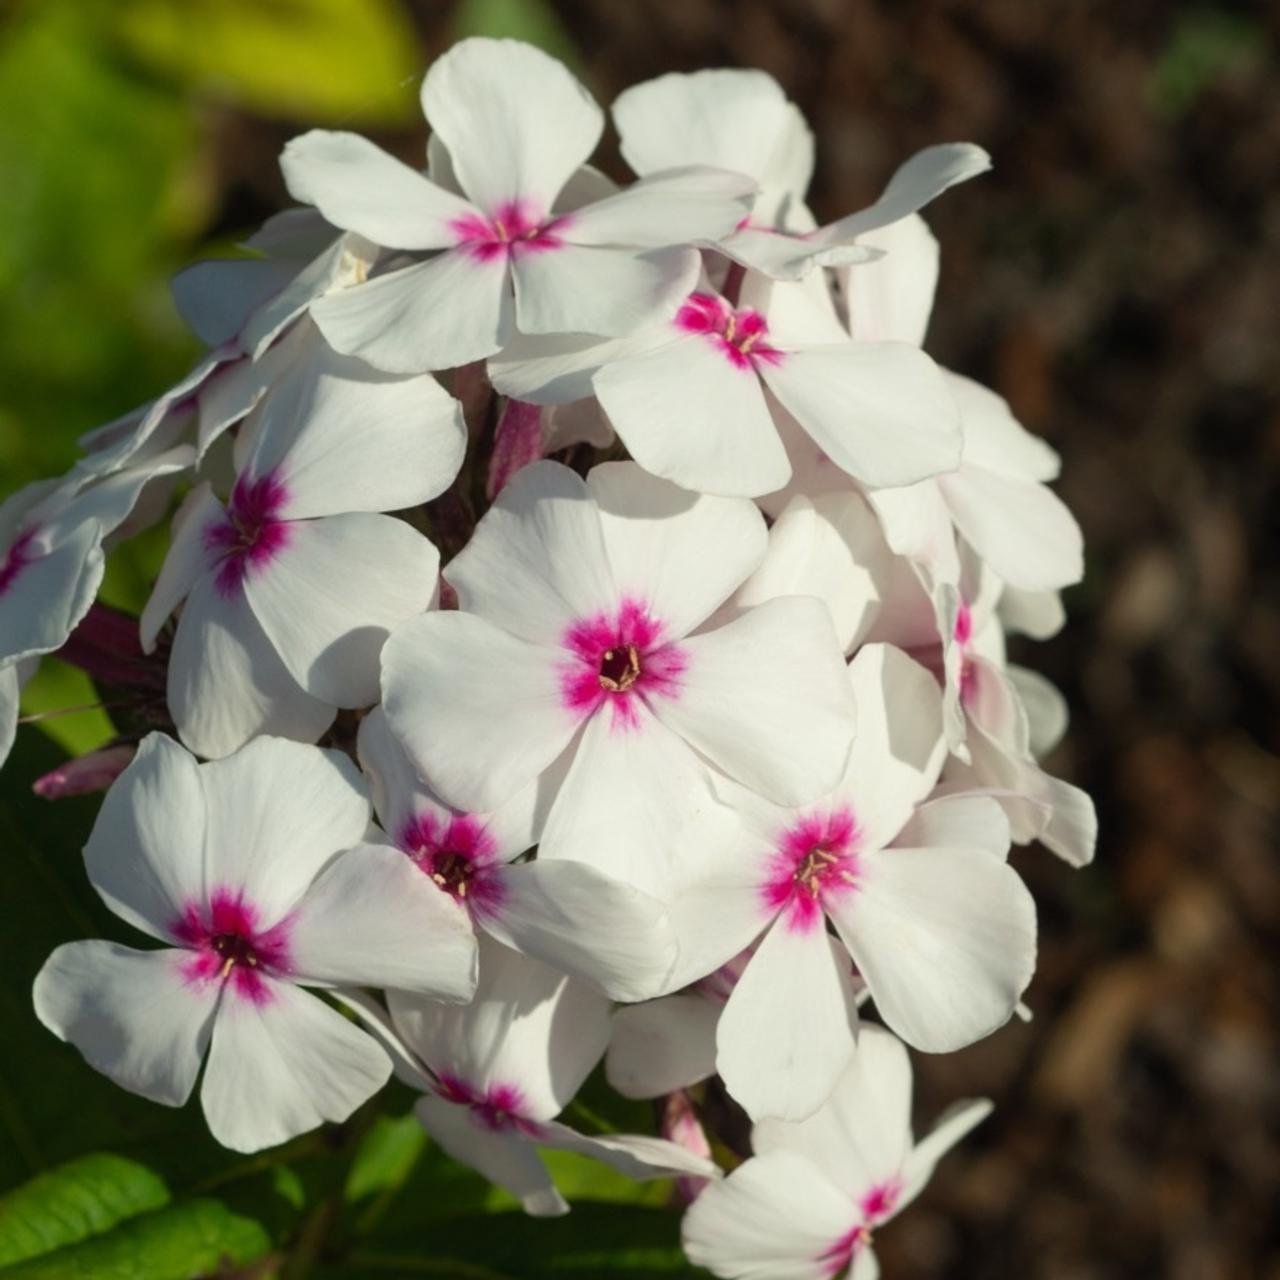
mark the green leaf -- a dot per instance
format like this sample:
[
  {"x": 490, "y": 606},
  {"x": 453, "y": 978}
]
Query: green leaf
[
  {"x": 182, "y": 1242},
  {"x": 337, "y": 62},
  {"x": 595, "y": 1240},
  {"x": 533, "y": 21},
  {"x": 84, "y": 1197}
]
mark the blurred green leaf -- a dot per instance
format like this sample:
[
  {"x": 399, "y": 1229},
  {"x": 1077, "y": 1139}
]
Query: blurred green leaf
[
  {"x": 182, "y": 1242},
  {"x": 343, "y": 62},
  {"x": 533, "y": 21},
  {"x": 1206, "y": 43},
  {"x": 625, "y": 1242},
  {"x": 84, "y": 1197}
]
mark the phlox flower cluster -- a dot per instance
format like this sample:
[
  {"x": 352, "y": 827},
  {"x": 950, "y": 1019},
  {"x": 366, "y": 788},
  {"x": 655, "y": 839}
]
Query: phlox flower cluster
[{"x": 581, "y": 640}]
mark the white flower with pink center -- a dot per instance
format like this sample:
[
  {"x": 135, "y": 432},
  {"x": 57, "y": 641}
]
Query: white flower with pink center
[
  {"x": 292, "y": 586},
  {"x": 699, "y": 398},
  {"x": 254, "y": 873},
  {"x": 583, "y": 658},
  {"x": 807, "y": 1205},
  {"x": 497, "y": 1072},
  {"x": 742, "y": 120},
  {"x": 566, "y": 914},
  {"x": 941, "y": 929},
  {"x": 515, "y": 247}
]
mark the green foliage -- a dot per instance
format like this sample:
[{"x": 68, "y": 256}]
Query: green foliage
[
  {"x": 81, "y": 1198},
  {"x": 1206, "y": 44}
]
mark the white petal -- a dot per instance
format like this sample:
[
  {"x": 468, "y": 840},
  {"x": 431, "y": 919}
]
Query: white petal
[
  {"x": 729, "y": 118},
  {"x": 505, "y": 1158},
  {"x": 359, "y": 187},
  {"x": 917, "y": 524},
  {"x": 670, "y": 208},
  {"x": 880, "y": 410},
  {"x": 536, "y": 562},
  {"x": 547, "y": 368},
  {"x": 145, "y": 855},
  {"x": 186, "y": 560},
  {"x": 400, "y": 795},
  {"x": 688, "y": 413},
  {"x": 957, "y": 1121},
  {"x": 681, "y": 553},
  {"x": 12, "y": 677},
  {"x": 280, "y": 1066},
  {"x": 226, "y": 681},
  {"x": 1046, "y": 708},
  {"x": 340, "y": 436},
  {"x": 918, "y": 181},
  {"x": 959, "y": 821},
  {"x": 773, "y": 1218},
  {"x": 528, "y": 1028},
  {"x": 437, "y": 314},
  {"x": 575, "y": 919},
  {"x": 480, "y": 713},
  {"x": 373, "y": 919},
  {"x": 993, "y": 437},
  {"x": 899, "y": 751},
  {"x": 216, "y": 297},
  {"x": 662, "y": 1045},
  {"x": 861, "y": 1136},
  {"x": 945, "y": 938},
  {"x": 132, "y": 1014},
  {"x": 789, "y": 1029},
  {"x": 889, "y": 299},
  {"x": 767, "y": 699},
  {"x": 637, "y": 1156},
  {"x": 599, "y": 289},
  {"x": 1038, "y": 614},
  {"x": 50, "y": 594},
  {"x": 629, "y": 803},
  {"x": 1020, "y": 528},
  {"x": 331, "y": 595},
  {"x": 830, "y": 547},
  {"x": 515, "y": 121},
  {"x": 278, "y": 811}
]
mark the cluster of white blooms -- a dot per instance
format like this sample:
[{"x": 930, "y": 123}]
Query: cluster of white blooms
[{"x": 732, "y": 662}]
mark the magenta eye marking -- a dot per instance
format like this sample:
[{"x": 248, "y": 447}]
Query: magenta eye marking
[
  {"x": 250, "y": 533},
  {"x": 228, "y": 945},
  {"x": 513, "y": 229},
  {"x": 741, "y": 334},
  {"x": 813, "y": 862}
]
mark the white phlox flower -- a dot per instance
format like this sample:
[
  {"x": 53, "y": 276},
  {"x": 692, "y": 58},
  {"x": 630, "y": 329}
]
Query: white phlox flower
[
  {"x": 807, "y": 1204},
  {"x": 941, "y": 929},
  {"x": 497, "y": 1072},
  {"x": 254, "y": 873},
  {"x": 291, "y": 586},
  {"x": 578, "y": 659},
  {"x": 508, "y": 254},
  {"x": 566, "y": 914}
]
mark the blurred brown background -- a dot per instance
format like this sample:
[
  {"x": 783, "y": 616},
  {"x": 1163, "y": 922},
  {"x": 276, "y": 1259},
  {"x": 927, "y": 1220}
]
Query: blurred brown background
[{"x": 1117, "y": 278}]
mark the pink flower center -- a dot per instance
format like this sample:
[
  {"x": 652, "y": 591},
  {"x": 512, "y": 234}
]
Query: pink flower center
[
  {"x": 229, "y": 946},
  {"x": 500, "y": 1108},
  {"x": 741, "y": 334},
  {"x": 249, "y": 533},
  {"x": 16, "y": 559},
  {"x": 514, "y": 228},
  {"x": 963, "y": 635},
  {"x": 875, "y": 1206},
  {"x": 813, "y": 861},
  {"x": 618, "y": 659},
  {"x": 459, "y": 855}
]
